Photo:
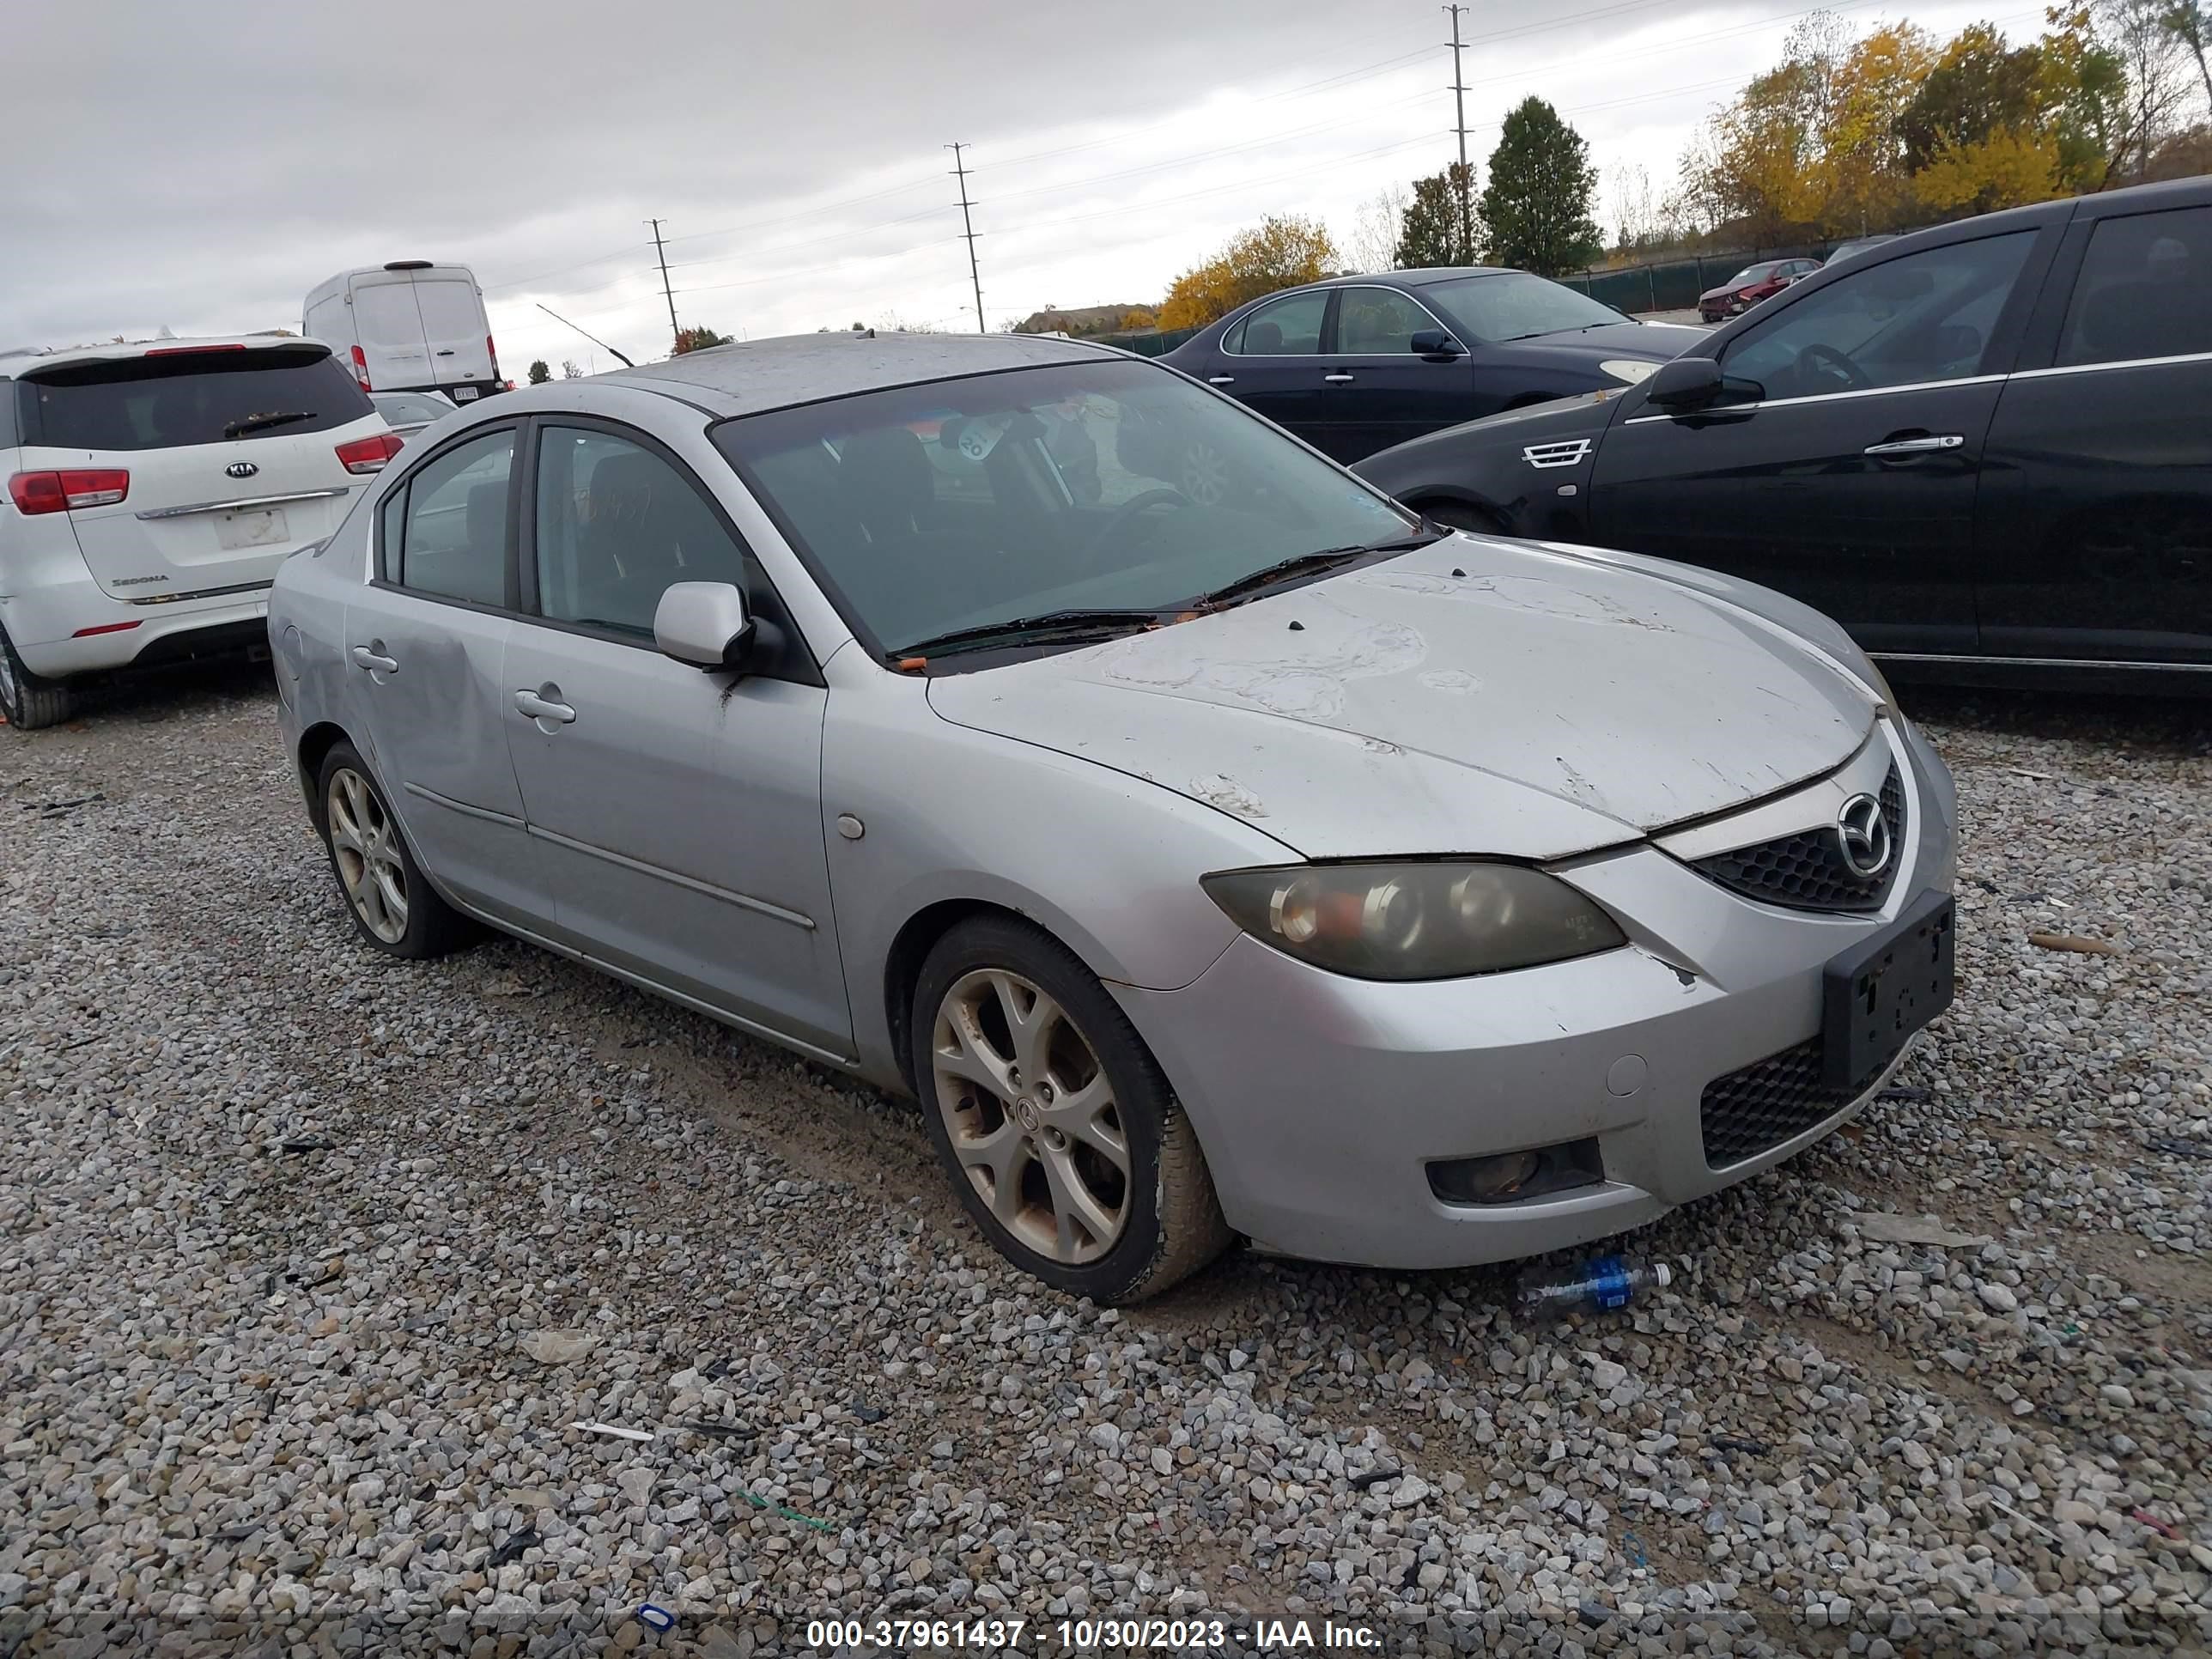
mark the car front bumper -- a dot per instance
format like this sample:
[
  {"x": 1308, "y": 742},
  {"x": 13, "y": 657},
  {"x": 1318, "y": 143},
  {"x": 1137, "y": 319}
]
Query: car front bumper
[{"x": 1321, "y": 1101}]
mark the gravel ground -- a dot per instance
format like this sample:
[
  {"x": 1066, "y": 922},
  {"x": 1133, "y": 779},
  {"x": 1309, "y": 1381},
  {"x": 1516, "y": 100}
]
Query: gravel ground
[{"x": 311, "y": 1263}]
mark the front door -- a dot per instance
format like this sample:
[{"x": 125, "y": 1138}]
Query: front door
[
  {"x": 1375, "y": 391},
  {"x": 1848, "y": 479},
  {"x": 677, "y": 814},
  {"x": 2095, "y": 532},
  {"x": 425, "y": 646}
]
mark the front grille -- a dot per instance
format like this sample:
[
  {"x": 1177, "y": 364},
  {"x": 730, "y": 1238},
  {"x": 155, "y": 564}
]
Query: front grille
[
  {"x": 1806, "y": 870},
  {"x": 1773, "y": 1100}
]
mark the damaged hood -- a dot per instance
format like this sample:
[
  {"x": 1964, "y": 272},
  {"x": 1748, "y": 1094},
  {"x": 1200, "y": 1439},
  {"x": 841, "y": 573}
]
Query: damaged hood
[{"x": 1475, "y": 696}]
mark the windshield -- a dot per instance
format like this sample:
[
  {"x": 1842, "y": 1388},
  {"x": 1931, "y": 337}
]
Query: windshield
[
  {"x": 1106, "y": 485},
  {"x": 166, "y": 400},
  {"x": 1511, "y": 305}
]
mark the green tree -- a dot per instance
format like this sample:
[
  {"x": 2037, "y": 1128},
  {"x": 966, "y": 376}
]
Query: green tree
[
  {"x": 698, "y": 339},
  {"x": 1978, "y": 88},
  {"x": 1536, "y": 207},
  {"x": 2189, "y": 22},
  {"x": 539, "y": 374},
  {"x": 1432, "y": 231}
]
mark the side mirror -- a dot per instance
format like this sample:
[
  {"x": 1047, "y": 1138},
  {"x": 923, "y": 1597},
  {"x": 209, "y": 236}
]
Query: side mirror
[
  {"x": 703, "y": 623},
  {"x": 1686, "y": 383},
  {"x": 1437, "y": 346}
]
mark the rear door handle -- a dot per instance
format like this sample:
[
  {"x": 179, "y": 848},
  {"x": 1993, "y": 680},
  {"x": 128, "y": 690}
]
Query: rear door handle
[
  {"x": 1221, "y": 380},
  {"x": 374, "y": 661},
  {"x": 446, "y": 353},
  {"x": 1338, "y": 379},
  {"x": 1926, "y": 445},
  {"x": 539, "y": 709}
]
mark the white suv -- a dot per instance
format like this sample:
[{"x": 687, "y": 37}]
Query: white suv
[{"x": 153, "y": 489}]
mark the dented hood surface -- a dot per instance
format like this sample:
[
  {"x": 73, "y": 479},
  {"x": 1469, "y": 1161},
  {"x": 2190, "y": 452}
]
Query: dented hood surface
[{"x": 1533, "y": 706}]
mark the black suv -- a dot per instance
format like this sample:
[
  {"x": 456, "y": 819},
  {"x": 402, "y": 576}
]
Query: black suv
[
  {"x": 1359, "y": 364},
  {"x": 1986, "y": 449}
]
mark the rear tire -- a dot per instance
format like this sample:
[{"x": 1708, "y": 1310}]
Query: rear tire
[
  {"x": 1057, "y": 1127},
  {"x": 29, "y": 701},
  {"x": 393, "y": 908}
]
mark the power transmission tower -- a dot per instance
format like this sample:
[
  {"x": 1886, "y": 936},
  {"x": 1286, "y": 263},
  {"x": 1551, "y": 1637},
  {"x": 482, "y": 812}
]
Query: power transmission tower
[
  {"x": 968, "y": 229},
  {"x": 1465, "y": 178},
  {"x": 667, "y": 292}
]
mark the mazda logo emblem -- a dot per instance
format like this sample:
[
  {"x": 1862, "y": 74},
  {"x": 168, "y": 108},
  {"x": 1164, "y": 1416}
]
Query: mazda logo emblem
[
  {"x": 241, "y": 469},
  {"x": 1863, "y": 835}
]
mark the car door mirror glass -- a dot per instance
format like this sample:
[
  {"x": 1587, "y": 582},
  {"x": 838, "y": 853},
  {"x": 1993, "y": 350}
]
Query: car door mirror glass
[
  {"x": 1686, "y": 383},
  {"x": 706, "y": 624},
  {"x": 1437, "y": 346}
]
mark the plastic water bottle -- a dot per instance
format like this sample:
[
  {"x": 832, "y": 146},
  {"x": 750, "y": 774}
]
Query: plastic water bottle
[{"x": 1603, "y": 1286}]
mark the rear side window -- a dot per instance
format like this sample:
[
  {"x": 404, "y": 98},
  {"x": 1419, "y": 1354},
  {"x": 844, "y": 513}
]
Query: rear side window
[
  {"x": 172, "y": 401},
  {"x": 2145, "y": 290},
  {"x": 454, "y": 532},
  {"x": 1289, "y": 327}
]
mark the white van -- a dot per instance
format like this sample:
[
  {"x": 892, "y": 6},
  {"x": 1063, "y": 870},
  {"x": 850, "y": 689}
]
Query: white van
[{"x": 408, "y": 326}]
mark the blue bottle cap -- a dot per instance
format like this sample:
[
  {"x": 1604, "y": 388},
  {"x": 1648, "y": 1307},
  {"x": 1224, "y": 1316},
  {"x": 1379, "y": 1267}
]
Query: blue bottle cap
[{"x": 659, "y": 1617}]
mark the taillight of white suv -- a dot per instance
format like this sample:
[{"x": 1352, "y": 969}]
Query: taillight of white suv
[
  {"x": 36, "y": 493},
  {"x": 366, "y": 454}
]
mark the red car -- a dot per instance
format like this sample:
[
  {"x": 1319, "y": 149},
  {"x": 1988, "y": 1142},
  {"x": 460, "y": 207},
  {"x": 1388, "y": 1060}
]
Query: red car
[{"x": 1749, "y": 286}]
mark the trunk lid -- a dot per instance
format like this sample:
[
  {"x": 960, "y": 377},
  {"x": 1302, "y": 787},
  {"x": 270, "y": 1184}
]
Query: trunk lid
[{"x": 205, "y": 512}]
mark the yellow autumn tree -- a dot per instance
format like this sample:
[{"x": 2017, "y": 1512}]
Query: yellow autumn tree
[
  {"x": 2006, "y": 168},
  {"x": 1278, "y": 253}
]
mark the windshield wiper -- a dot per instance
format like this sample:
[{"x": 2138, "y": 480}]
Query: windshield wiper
[
  {"x": 245, "y": 423},
  {"x": 1327, "y": 558},
  {"x": 1054, "y": 625}
]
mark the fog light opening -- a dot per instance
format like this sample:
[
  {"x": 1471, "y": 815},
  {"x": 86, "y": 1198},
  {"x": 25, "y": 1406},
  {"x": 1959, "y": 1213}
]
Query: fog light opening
[{"x": 1515, "y": 1177}]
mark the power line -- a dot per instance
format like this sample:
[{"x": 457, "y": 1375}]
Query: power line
[
  {"x": 674, "y": 330},
  {"x": 968, "y": 230},
  {"x": 1465, "y": 178}
]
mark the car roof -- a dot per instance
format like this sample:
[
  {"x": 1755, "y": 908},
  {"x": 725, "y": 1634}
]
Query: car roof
[
  {"x": 30, "y": 359},
  {"x": 747, "y": 377}
]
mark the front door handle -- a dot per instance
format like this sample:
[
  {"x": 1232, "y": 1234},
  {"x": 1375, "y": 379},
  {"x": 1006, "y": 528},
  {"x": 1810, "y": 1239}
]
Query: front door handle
[
  {"x": 373, "y": 660},
  {"x": 1221, "y": 380},
  {"x": 543, "y": 708},
  {"x": 1930, "y": 445},
  {"x": 1338, "y": 379}
]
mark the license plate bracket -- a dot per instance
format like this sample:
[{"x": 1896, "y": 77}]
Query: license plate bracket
[{"x": 1877, "y": 995}]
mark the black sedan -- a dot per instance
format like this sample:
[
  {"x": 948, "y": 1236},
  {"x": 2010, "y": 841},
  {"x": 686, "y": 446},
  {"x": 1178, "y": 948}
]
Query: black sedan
[
  {"x": 1359, "y": 364},
  {"x": 1986, "y": 449}
]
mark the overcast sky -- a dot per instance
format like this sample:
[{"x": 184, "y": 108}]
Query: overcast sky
[{"x": 200, "y": 167}]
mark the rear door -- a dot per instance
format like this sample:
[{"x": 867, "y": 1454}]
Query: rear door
[
  {"x": 1272, "y": 361},
  {"x": 426, "y": 643},
  {"x": 231, "y": 454},
  {"x": 1850, "y": 482},
  {"x": 388, "y": 327},
  {"x": 1375, "y": 391},
  {"x": 456, "y": 331},
  {"x": 2095, "y": 529}
]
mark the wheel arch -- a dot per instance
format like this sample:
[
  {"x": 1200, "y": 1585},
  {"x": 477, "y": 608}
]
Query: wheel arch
[
  {"x": 315, "y": 746},
  {"x": 910, "y": 947}
]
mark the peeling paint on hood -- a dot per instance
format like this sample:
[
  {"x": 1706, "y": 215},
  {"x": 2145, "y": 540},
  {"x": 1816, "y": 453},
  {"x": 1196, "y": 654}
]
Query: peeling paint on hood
[{"x": 1475, "y": 696}]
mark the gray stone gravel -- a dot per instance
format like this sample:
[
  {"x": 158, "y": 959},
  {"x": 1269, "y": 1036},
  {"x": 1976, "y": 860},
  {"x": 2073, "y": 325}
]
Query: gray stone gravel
[{"x": 310, "y": 1264}]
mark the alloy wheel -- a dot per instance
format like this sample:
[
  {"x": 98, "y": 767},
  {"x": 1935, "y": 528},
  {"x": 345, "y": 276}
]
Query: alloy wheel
[
  {"x": 1205, "y": 473},
  {"x": 9, "y": 688},
  {"x": 1031, "y": 1116},
  {"x": 365, "y": 845}
]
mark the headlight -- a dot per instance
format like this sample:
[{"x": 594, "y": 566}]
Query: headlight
[
  {"x": 1414, "y": 920},
  {"x": 1629, "y": 371}
]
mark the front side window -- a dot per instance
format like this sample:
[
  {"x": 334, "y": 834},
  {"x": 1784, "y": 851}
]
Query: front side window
[
  {"x": 170, "y": 400},
  {"x": 1511, "y": 305},
  {"x": 1288, "y": 327},
  {"x": 964, "y": 503},
  {"x": 453, "y": 539},
  {"x": 617, "y": 523},
  {"x": 1378, "y": 321},
  {"x": 2145, "y": 290},
  {"x": 1926, "y": 317}
]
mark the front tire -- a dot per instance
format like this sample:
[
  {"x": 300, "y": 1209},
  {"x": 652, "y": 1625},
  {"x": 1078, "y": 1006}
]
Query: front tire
[
  {"x": 29, "y": 701},
  {"x": 393, "y": 908},
  {"x": 1057, "y": 1127}
]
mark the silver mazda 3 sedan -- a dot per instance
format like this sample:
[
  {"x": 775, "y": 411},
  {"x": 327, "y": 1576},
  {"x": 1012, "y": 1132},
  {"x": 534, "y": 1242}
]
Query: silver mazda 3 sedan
[{"x": 1214, "y": 850}]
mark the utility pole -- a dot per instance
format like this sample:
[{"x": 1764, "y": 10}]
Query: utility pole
[
  {"x": 674, "y": 330},
  {"x": 968, "y": 229},
  {"x": 1465, "y": 178}
]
